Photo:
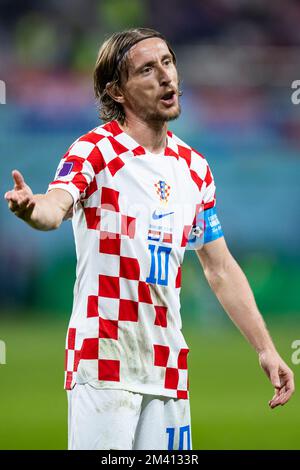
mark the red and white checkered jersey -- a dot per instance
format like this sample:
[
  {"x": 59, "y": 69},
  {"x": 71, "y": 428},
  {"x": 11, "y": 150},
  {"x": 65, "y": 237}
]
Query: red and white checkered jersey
[{"x": 132, "y": 215}]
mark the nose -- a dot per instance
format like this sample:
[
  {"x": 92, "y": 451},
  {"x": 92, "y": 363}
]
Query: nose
[{"x": 164, "y": 76}]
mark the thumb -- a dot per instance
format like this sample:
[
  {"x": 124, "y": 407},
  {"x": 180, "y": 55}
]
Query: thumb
[
  {"x": 18, "y": 179},
  {"x": 274, "y": 377}
]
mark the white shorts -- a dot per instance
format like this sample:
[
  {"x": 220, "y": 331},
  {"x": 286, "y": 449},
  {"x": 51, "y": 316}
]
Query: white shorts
[{"x": 122, "y": 420}]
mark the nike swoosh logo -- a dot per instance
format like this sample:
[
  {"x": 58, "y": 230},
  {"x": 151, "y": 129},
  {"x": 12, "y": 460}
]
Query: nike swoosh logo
[{"x": 159, "y": 216}]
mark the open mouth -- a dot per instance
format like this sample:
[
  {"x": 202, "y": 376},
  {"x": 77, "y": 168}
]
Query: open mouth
[{"x": 169, "y": 97}]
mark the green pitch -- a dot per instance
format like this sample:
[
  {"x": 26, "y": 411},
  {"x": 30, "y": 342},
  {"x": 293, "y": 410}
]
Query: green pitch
[{"x": 229, "y": 392}]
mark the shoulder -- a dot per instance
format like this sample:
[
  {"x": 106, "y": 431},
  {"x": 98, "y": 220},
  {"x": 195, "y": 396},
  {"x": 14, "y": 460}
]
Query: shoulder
[
  {"x": 94, "y": 143},
  {"x": 86, "y": 149},
  {"x": 94, "y": 136},
  {"x": 195, "y": 160},
  {"x": 108, "y": 139},
  {"x": 185, "y": 150}
]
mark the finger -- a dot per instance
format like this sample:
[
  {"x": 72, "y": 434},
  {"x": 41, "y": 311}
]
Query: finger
[
  {"x": 7, "y": 195},
  {"x": 19, "y": 207},
  {"x": 23, "y": 203},
  {"x": 275, "y": 379},
  {"x": 276, "y": 397},
  {"x": 275, "y": 402},
  {"x": 29, "y": 207},
  {"x": 281, "y": 399},
  {"x": 285, "y": 398},
  {"x": 13, "y": 206},
  {"x": 290, "y": 385},
  {"x": 289, "y": 390},
  {"x": 13, "y": 202},
  {"x": 18, "y": 197},
  {"x": 14, "y": 199},
  {"x": 18, "y": 179}
]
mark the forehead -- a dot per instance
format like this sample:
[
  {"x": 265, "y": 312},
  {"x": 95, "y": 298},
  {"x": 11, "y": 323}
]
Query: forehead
[{"x": 147, "y": 50}]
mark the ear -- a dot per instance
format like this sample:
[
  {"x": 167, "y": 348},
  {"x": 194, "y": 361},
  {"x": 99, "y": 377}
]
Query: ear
[{"x": 115, "y": 92}]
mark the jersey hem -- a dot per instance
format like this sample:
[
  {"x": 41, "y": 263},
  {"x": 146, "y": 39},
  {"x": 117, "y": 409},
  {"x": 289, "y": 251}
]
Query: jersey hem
[{"x": 135, "y": 389}]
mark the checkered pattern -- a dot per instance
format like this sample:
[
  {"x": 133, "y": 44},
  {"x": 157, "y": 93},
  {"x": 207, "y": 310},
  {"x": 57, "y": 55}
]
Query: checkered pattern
[
  {"x": 125, "y": 332},
  {"x": 175, "y": 372},
  {"x": 72, "y": 357}
]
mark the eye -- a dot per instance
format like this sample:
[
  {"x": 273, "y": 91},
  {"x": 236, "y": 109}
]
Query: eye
[
  {"x": 146, "y": 70},
  {"x": 167, "y": 61}
]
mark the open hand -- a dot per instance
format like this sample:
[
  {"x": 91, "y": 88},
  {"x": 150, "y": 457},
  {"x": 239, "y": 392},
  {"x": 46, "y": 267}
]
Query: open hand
[{"x": 20, "y": 199}]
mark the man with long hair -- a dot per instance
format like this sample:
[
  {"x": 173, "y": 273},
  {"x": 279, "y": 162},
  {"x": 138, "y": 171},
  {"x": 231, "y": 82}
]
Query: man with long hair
[{"x": 138, "y": 196}]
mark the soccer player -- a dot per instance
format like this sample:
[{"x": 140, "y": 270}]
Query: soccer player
[{"x": 138, "y": 196}]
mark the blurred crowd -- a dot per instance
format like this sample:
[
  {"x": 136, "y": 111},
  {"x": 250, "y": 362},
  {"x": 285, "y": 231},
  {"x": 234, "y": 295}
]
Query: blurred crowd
[
  {"x": 237, "y": 58},
  {"x": 57, "y": 34}
]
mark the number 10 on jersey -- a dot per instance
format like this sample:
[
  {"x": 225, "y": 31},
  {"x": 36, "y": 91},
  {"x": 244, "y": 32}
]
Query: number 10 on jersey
[{"x": 159, "y": 267}]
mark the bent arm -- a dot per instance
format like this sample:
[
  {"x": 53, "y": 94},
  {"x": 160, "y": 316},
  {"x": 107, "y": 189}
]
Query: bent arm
[{"x": 50, "y": 209}]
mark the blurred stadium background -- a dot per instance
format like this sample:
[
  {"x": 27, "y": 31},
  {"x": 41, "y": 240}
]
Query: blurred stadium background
[{"x": 237, "y": 60}]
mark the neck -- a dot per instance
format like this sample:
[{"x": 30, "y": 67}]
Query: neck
[{"x": 150, "y": 135}]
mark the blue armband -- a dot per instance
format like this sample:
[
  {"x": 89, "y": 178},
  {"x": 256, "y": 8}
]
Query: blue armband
[{"x": 207, "y": 229}]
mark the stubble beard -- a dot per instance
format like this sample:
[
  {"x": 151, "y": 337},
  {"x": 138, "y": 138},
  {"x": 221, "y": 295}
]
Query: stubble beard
[
  {"x": 174, "y": 114},
  {"x": 161, "y": 116}
]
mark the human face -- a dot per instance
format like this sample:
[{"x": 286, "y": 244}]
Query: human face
[{"x": 151, "y": 90}]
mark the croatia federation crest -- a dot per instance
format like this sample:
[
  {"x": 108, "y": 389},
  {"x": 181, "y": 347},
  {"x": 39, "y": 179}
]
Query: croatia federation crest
[{"x": 163, "y": 190}]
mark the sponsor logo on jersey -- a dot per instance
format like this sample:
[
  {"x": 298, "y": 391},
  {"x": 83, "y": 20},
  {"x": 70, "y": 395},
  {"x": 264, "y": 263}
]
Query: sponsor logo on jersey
[{"x": 156, "y": 216}]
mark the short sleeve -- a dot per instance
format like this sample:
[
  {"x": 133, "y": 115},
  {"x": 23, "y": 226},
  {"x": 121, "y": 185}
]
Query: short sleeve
[
  {"x": 76, "y": 171},
  {"x": 209, "y": 196},
  {"x": 206, "y": 225}
]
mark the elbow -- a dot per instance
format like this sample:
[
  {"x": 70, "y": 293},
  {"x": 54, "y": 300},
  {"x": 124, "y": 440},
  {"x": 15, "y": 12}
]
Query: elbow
[
  {"x": 55, "y": 225},
  {"x": 215, "y": 277},
  {"x": 218, "y": 273},
  {"x": 56, "y": 220},
  {"x": 46, "y": 226}
]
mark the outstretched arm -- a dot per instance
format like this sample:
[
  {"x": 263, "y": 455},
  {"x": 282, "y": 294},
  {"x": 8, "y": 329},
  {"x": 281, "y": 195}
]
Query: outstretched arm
[
  {"x": 232, "y": 289},
  {"x": 40, "y": 211}
]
